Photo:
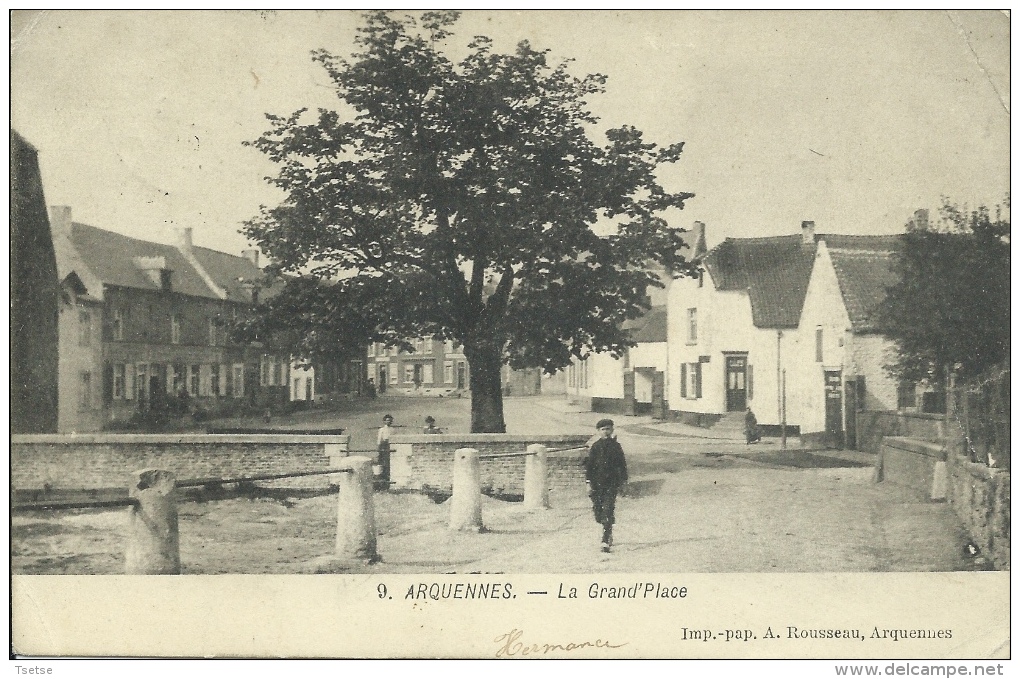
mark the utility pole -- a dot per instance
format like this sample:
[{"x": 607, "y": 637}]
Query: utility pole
[{"x": 782, "y": 426}]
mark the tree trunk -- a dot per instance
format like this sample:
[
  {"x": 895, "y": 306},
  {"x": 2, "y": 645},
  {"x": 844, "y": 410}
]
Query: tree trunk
[{"x": 486, "y": 389}]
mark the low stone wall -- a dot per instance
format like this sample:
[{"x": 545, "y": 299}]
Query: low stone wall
[
  {"x": 873, "y": 425},
  {"x": 914, "y": 463},
  {"x": 980, "y": 497},
  {"x": 426, "y": 461},
  {"x": 106, "y": 461}
]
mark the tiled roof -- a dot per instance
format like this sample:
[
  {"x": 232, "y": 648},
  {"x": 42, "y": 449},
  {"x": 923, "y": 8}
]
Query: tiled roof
[
  {"x": 230, "y": 272},
  {"x": 111, "y": 258},
  {"x": 650, "y": 327},
  {"x": 863, "y": 278},
  {"x": 775, "y": 272}
]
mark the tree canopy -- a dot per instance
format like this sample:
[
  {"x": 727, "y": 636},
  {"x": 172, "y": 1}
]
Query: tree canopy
[
  {"x": 457, "y": 200},
  {"x": 949, "y": 310}
]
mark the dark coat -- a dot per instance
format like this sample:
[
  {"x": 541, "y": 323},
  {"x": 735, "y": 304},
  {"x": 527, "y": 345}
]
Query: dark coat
[{"x": 606, "y": 466}]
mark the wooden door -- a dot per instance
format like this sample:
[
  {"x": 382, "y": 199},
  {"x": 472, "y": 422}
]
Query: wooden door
[
  {"x": 736, "y": 383},
  {"x": 834, "y": 406}
]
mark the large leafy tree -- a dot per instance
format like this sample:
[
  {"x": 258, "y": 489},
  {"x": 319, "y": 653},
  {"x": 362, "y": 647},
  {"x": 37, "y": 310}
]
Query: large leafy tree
[
  {"x": 949, "y": 310},
  {"x": 456, "y": 200}
]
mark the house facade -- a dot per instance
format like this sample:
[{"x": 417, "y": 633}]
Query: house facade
[
  {"x": 433, "y": 368},
  {"x": 782, "y": 325},
  {"x": 635, "y": 382},
  {"x": 145, "y": 328}
]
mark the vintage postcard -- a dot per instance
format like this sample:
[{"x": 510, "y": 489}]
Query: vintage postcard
[{"x": 511, "y": 334}]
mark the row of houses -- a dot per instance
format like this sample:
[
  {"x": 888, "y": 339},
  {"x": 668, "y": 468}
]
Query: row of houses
[
  {"x": 145, "y": 326},
  {"x": 784, "y": 325},
  {"x": 107, "y": 328}
]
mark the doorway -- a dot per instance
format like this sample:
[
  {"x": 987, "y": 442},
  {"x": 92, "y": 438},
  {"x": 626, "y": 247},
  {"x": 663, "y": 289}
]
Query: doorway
[
  {"x": 736, "y": 383},
  {"x": 834, "y": 406},
  {"x": 383, "y": 381}
]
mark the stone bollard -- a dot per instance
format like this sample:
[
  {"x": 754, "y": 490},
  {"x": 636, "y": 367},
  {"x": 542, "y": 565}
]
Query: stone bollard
[
  {"x": 536, "y": 478},
  {"x": 153, "y": 544},
  {"x": 355, "y": 527},
  {"x": 466, "y": 503}
]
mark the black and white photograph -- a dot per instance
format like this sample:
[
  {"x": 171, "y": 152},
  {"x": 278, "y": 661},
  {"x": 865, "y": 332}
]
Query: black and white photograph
[{"x": 511, "y": 333}]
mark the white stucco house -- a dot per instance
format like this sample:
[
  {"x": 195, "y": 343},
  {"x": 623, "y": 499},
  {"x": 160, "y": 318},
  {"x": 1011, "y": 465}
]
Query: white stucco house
[
  {"x": 782, "y": 325},
  {"x": 634, "y": 383}
]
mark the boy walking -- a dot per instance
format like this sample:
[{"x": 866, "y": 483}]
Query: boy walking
[{"x": 605, "y": 470}]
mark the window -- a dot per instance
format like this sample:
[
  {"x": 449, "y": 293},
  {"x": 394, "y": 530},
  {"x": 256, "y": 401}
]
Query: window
[
  {"x": 448, "y": 372},
  {"x": 448, "y": 346},
  {"x": 426, "y": 373},
  {"x": 179, "y": 377},
  {"x": 117, "y": 325},
  {"x": 214, "y": 380},
  {"x": 175, "y": 329},
  {"x": 692, "y": 326},
  {"x": 277, "y": 373},
  {"x": 371, "y": 349},
  {"x": 701, "y": 279},
  {"x": 238, "y": 384},
  {"x": 85, "y": 399},
  {"x": 196, "y": 378},
  {"x": 142, "y": 380},
  {"x": 906, "y": 395},
  {"x": 212, "y": 332},
  {"x": 428, "y": 345},
  {"x": 409, "y": 372},
  {"x": 84, "y": 327},
  {"x": 690, "y": 380},
  {"x": 224, "y": 379},
  {"x": 119, "y": 380},
  {"x": 818, "y": 344},
  {"x": 393, "y": 374}
]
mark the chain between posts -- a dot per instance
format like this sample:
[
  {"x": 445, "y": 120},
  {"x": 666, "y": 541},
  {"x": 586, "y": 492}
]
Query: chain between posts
[{"x": 190, "y": 483}]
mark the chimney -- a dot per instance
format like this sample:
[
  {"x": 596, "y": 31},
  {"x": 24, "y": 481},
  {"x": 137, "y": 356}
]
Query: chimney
[
  {"x": 807, "y": 231},
  {"x": 699, "y": 245},
  {"x": 184, "y": 241},
  {"x": 60, "y": 219},
  {"x": 252, "y": 255}
]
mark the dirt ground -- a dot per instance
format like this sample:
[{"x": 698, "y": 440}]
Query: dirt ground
[{"x": 696, "y": 505}]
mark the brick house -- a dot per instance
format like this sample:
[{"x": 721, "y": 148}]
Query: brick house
[
  {"x": 783, "y": 325},
  {"x": 433, "y": 368},
  {"x": 156, "y": 319}
]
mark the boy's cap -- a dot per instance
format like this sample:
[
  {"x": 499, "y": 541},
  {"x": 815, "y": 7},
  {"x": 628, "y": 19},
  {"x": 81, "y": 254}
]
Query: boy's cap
[
  {"x": 430, "y": 419},
  {"x": 604, "y": 423}
]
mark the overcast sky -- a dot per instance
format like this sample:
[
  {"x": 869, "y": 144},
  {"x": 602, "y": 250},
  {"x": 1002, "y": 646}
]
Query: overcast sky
[{"x": 853, "y": 120}]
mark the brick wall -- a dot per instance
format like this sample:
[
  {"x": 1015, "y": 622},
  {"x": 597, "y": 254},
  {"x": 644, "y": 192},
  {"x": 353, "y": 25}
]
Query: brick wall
[
  {"x": 107, "y": 461},
  {"x": 420, "y": 461}
]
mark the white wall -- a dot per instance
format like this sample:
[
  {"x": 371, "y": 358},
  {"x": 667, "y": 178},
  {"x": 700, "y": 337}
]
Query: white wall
[{"x": 725, "y": 324}]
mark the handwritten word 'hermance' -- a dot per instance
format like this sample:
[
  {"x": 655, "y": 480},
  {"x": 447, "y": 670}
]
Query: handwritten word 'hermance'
[{"x": 510, "y": 645}]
